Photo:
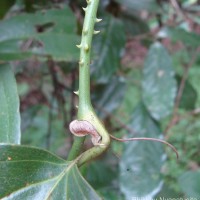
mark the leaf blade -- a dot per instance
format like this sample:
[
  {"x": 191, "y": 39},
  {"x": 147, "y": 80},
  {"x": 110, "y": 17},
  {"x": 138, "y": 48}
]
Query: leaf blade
[
  {"x": 41, "y": 30},
  {"x": 158, "y": 84},
  {"x": 108, "y": 47},
  {"x": 33, "y": 173},
  {"x": 141, "y": 161},
  {"x": 191, "y": 178},
  {"x": 9, "y": 107}
]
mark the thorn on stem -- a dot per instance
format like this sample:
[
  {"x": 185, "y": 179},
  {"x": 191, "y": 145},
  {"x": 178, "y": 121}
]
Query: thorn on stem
[
  {"x": 96, "y": 32},
  {"x": 79, "y": 46},
  {"x": 98, "y": 20},
  {"x": 88, "y": 1},
  {"x": 76, "y": 92},
  {"x": 84, "y": 9}
]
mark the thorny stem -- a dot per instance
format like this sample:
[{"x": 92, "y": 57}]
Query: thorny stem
[{"x": 85, "y": 109}]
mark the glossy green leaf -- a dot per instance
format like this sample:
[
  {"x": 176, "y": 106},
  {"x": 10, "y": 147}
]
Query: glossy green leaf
[
  {"x": 136, "y": 5},
  {"x": 9, "y": 106},
  {"x": 158, "y": 84},
  {"x": 31, "y": 173},
  {"x": 45, "y": 33},
  {"x": 189, "y": 95},
  {"x": 141, "y": 161},
  {"x": 178, "y": 34},
  {"x": 108, "y": 48},
  {"x": 189, "y": 183},
  {"x": 104, "y": 101}
]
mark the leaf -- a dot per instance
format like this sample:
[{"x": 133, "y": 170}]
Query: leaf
[
  {"x": 45, "y": 33},
  {"x": 191, "y": 179},
  {"x": 168, "y": 192},
  {"x": 178, "y": 34},
  {"x": 134, "y": 25},
  {"x": 5, "y": 6},
  {"x": 108, "y": 47},
  {"x": 189, "y": 95},
  {"x": 159, "y": 84},
  {"x": 104, "y": 174},
  {"x": 31, "y": 173},
  {"x": 9, "y": 107},
  {"x": 141, "y": 161},
  {"x": 136, "y": 5},
  {"x": 104, "y": 101}
]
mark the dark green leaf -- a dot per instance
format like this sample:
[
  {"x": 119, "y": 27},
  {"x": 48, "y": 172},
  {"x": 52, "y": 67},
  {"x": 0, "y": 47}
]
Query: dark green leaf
[
  {"x": 45, "y": 33},
  {"x": 31, "y": 173},
  {"x": 134, "y": 25},
  {"x": 111, "y": 194},
  {"x": 59, "y": 45},
  {"x": 159, "y": 84},
  {"x": 104, "y": 175},
  {"x": 9, "y": 50},
  {"x": 141, "y": 161},
  {"x": 178, "y": 34},
  {"x": 108, "y": 47},
  {"x": 136, "y": 5},
  {"x": 5, "y": 6},
  {"x": 9, "y": 107},
  {"x": 168, "y": 192},
  {"x": 107, "y": 103},
  {"x": 189, "y": 95},
  {"x": 189, "y": 183}
]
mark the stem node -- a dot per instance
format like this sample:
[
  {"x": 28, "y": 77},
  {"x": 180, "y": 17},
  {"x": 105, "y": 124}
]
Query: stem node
[{"x": 86, "y": 48}]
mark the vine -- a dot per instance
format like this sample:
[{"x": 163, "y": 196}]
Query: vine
[
  {"x": 85, "y": 109},
  {"x": 88, "y": 123}
]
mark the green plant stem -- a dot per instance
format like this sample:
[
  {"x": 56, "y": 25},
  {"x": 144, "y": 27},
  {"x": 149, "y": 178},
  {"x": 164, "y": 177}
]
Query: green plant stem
[{"x": 85, "y": 109}]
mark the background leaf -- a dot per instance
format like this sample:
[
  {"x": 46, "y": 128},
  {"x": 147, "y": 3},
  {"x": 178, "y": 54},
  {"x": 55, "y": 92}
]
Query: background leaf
[
  {"x": 190, "y": 182},
  {"x": 31, "y": 173},
  {"x": 141, "y": 161},
  {"x": 159, "y": 85},
  {"x": 189, "y": 95},
  {"x": 9, "y": 107},
  {"x": 104, "y": 101},
  {"x": 108, "y": 48},
  {"x": 178, "y": 34},
  {"x": 149, "y": 5},
  {"x": 133, "y": 24},
  {"x": 45, "y": 33}
]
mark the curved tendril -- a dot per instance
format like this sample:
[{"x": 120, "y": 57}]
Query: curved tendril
[{"x": 148, "y": 139}]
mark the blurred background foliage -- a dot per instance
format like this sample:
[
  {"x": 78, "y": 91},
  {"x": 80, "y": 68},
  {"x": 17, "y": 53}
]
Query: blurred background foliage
[{"x": 145, "y": 73}]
